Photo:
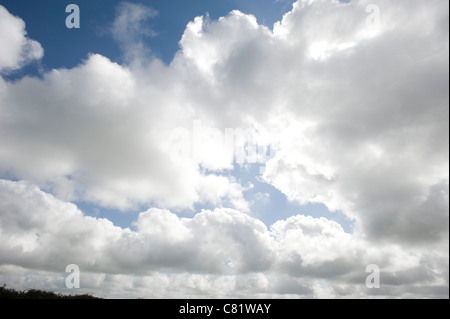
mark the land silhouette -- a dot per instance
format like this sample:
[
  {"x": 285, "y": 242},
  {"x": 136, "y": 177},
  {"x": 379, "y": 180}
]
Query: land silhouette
[{"x": 9, "y": 293}]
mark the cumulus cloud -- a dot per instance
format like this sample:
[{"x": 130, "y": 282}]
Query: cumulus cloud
[
  {"x": 17, "y": 48},
  {"x": 368, "y": 138},
  {"x": 41, "y": 235},
  {"x": 107, "y": 145},
  {"x": 161, "y": 241},
  {"x": 357, "y": 118}
]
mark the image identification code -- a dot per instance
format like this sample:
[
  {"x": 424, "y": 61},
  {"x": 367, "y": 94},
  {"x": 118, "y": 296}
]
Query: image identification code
[{"x": 228, "y": 308}]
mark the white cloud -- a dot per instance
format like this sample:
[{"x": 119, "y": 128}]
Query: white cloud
[
  {"x": 377, "y": 144},
  {"x": 129, "y": 29},
  {"x": 105, "y": 145},
  {"x": 359, "y": 121},
  {"x": 41, "y": 235},
  {"x": 45, "y": 230},
  {"x": 17, "y": 48}
]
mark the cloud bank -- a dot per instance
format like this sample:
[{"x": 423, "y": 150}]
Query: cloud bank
[
  {"x": 40, "y": 232},
  {"x": 357, "y": 116}
]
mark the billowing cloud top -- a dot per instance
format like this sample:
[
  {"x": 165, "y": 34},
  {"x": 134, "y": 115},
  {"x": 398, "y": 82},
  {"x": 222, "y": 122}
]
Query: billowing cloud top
[
  {"x": 17, "y": 48},
  {"x": 354, "y": 107}
]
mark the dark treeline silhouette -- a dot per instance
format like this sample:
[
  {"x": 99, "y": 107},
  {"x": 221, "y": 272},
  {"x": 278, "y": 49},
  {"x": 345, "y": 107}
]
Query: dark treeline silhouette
[{"x": 8, "y": 293}]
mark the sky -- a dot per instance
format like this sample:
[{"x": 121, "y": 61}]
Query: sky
[{"x": 225, "y": 149}]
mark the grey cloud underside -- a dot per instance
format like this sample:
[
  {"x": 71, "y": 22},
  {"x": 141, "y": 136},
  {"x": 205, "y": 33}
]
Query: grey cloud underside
[
  {"x": 294, "y": 253},
  {"x": 358, "y": 119}
]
